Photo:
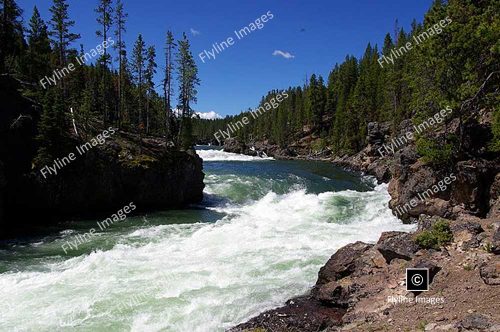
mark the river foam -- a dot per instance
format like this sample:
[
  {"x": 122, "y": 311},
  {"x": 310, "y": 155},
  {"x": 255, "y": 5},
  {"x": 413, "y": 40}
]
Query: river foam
[{"x": 219, "y": 155}]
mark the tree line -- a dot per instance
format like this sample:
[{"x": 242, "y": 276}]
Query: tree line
[
  {"x": 100, "y": 96},
  {"x": 458, "y": 67}
]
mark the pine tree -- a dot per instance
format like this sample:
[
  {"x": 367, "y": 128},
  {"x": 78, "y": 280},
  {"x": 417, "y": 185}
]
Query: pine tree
[
  {"x": 188, "y": 80},
  {"x": 11, "y": 35},
  {"x": 105, "y": 19},
  {"x": 120, "y": 20},
  {"x": 148, "y": 77},
  {"x": 39, "y": 51},
  {"x": 138, "y": 69},
  {"x": 61, "y": 24},
  {"x": 167, "y": 83}
]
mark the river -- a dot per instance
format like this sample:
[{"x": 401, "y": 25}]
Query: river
[{"x": 261, "y": 234}]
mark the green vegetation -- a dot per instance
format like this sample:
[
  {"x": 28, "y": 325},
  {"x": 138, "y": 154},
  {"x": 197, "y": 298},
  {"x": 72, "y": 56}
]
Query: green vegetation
[
  {"x": 438, "y": 236},
  {"x": 433, "y": 152},
  {"x": 458, "y": 68},
  {"x": 99, "y": 95}
]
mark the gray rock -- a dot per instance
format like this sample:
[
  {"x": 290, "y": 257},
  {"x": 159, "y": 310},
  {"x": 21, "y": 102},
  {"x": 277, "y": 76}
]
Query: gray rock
[
  {"x": 490, "y": 273},
  {"x": 396, "y": 245},
  {"x": 466, "y": 234},
  {"x": 474, "y": 322}
]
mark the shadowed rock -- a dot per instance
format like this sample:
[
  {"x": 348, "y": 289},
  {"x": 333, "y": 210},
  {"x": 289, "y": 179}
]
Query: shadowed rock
[
  {"x": 343, "y": 263},
  {"x": 396, "y": 245}
]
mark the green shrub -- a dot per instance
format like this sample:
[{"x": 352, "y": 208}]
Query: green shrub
[
  {"x": 433, "y": 152},
  {"x": 438, "y": 236}
]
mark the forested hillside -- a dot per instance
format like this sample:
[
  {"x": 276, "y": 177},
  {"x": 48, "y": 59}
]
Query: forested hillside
[
  {"x": 453, "y": 62},
  {"x": 60, "y": 77}
]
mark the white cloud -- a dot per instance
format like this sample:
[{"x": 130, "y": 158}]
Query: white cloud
[
  {"x": 194, "y": 32},
  {"x": 286, "y": 55},
  {"x": 208, "y": 115}
]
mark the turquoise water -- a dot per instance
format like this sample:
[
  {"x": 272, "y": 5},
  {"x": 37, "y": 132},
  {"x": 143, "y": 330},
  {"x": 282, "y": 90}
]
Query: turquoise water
[{"x": 259, "y": 237}]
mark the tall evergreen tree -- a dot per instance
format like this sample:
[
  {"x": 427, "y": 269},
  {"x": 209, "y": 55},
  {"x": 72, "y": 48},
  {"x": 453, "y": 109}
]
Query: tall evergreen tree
[
  {"x": 167, "y": 82},
  {"x": 60, "y": 33},
  {"x": 11, "y": 34},
  {"x": 188, "y": 81},
  {"x": 120, "y": 20},
  {"x": 105, "y": 19},
  {"x": 138, "y": 69},
  {"x": 39, "y": 51},
  {"x": 148, "y": 77}
]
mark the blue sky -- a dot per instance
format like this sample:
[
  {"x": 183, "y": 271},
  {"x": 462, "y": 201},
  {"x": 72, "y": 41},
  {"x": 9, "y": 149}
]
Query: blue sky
[{"x": 317, "y": 33}]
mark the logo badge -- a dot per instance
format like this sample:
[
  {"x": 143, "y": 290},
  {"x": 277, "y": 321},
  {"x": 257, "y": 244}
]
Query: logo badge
[{"x": 417, "y": 279}]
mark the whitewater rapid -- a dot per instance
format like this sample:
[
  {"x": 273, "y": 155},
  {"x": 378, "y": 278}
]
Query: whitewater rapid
[
  {"x": 219, "y": 155},
  {"x": 198, "y": 276}
]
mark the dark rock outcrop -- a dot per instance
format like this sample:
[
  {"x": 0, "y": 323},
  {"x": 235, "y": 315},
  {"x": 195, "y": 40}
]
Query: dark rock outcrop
[
  {"x": 490, "y": 272},
  {"x": 233, "y": 145},
  {"x": 343, "y": 263},
  {"x": 124, "y": 169},
  {"x": 302, "y": 314},
  {"x": 472, "y": 188},
  {"x": 336, "y": 294},
  {"x": 396, "y": 245},
  {"x": 377, "y": 133}
]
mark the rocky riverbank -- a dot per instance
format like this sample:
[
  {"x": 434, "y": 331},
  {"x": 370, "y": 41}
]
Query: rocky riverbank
[
  {"x": 457, "y": 208},
  {"x": 124, "y": 168}
]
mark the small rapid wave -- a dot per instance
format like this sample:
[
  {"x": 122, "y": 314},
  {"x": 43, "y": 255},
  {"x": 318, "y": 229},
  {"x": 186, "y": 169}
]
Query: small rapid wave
[{"x": 219, "y": 155}]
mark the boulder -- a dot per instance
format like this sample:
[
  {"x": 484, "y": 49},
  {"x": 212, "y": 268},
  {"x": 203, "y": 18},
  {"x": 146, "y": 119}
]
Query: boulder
[
  {"x": 490, "y": 272},
  {"x": 333, "y": 293},
  {"x": 396, "y": 245},
  {"x": 474, "y": 322},
  {"x": 343, "y": 263},
  {"x": 465, "y": 234},
  {"x": 235, "y": 146}
]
